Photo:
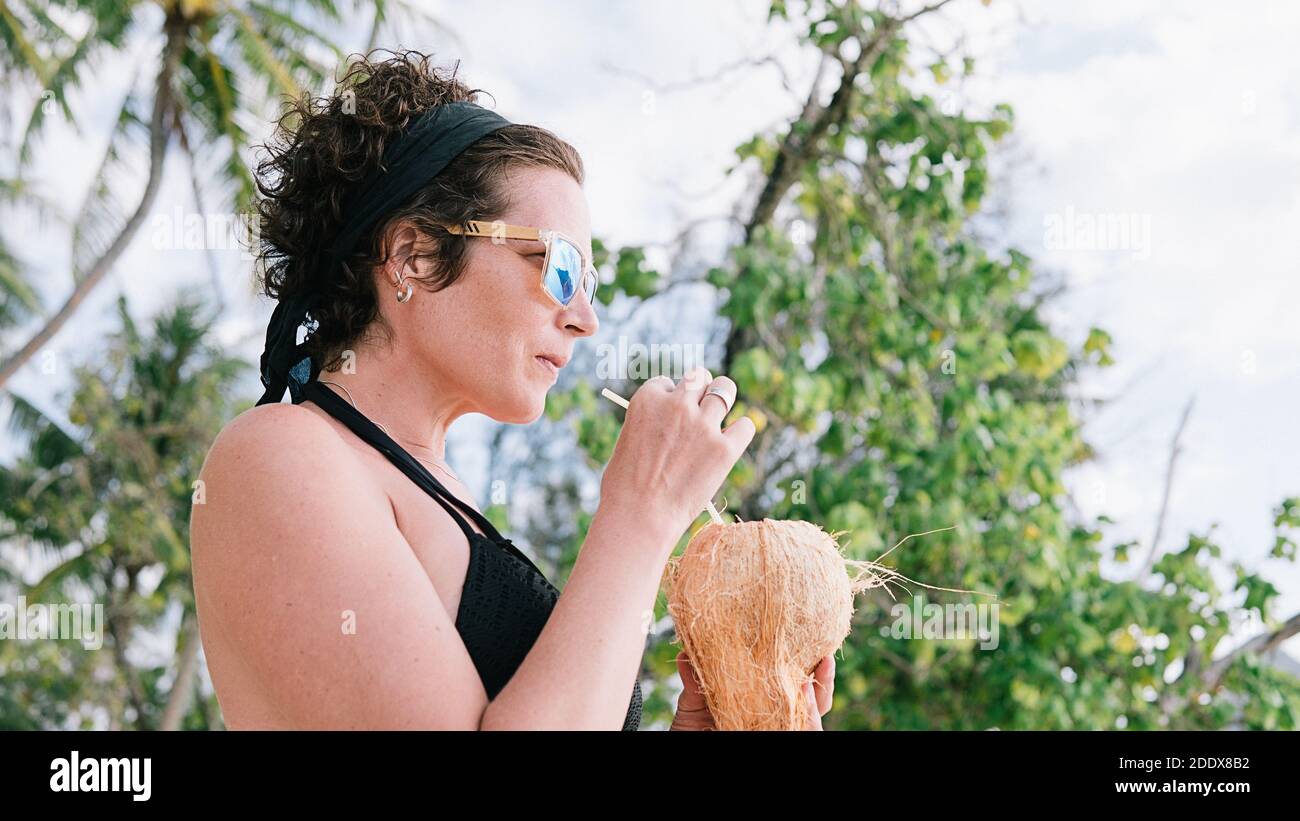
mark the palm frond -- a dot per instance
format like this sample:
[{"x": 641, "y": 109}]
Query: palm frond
[
  {"x": 82, "y": 566},
  {"x": 107, "y": 27},
  {"x": 261, "y": 57},
  {"x": 102, "y": 213},
  {"x": 213, "y": 105},
  {"x": 398, "y": 15},
  {"x": 50, "y": 31},
  {"x": 26, "y": 421},
  {"x": 197, "y": 186},
  {"x": 18, "y": 299},
  {"x": 129, "y": 334},
  {"x": 327, "y": 7},
  {"x": 19, "y": 191},
  {"x": 20, "y": 50},
  {"x": 284, "y": 26},
  {"x": 66, "y": 73}
]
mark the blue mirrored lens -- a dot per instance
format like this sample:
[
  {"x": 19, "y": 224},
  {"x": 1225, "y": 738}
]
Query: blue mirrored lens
[{"x": 564, "y": 271}]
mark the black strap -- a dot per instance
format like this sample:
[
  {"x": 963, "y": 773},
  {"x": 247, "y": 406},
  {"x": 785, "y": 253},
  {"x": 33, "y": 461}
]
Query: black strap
[{"x": 370, "y": 433}]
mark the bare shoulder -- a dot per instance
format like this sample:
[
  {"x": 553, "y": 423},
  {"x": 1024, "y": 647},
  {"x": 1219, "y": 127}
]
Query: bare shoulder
[
  {"x": 274, "y": 438},
  {"x": 294, "y": 545},
  {"x": 276, "y": 471}
]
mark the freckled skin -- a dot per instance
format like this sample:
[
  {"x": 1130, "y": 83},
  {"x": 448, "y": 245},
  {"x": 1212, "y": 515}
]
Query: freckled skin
[{"x": 477, "y": 339}]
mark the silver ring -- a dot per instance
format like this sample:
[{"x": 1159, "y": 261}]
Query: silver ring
[{"x": 716, "y": 391}]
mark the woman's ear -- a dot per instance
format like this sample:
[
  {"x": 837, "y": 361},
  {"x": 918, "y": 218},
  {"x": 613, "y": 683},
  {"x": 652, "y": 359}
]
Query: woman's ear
[{"x": 399, "y": 251}]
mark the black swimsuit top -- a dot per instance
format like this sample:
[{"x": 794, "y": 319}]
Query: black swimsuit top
[{"x": 506, "y": 600}]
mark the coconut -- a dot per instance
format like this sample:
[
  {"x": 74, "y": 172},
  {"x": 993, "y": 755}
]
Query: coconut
[{"x": 757, "y": 605}]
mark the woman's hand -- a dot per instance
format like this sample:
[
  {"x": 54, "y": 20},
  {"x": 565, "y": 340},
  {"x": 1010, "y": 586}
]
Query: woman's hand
[
  {"x": 672, "y": 454},
  {"x": 693, "y": 713},
  {"x": 819, "y": 692}
]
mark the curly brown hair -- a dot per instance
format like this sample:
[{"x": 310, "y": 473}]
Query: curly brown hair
[{"x": 323, "y": 146}]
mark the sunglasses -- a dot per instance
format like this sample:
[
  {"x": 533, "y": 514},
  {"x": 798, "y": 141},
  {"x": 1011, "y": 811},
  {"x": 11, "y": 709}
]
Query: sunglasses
[{"x": 565, "y": 270}]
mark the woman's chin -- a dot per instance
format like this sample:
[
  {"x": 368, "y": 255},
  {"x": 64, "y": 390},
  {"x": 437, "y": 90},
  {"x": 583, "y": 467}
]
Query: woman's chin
[{"x": 522, "y": 410}]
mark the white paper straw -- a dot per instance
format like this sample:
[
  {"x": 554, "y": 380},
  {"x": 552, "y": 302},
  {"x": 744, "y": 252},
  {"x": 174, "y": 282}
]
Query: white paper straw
[{"x": 618, "y": 400}]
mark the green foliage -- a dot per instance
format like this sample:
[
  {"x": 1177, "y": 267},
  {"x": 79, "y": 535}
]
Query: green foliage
[
  {"x": 103, "y": 502},
  {"x": 1286, "y": 518},
  {"x": 902, "y": 374}
]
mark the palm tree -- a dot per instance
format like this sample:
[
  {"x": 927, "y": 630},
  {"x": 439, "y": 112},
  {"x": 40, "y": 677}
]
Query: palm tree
[
  {"x": 218, "y": 64},
  {"x": 100, "y": 500}
]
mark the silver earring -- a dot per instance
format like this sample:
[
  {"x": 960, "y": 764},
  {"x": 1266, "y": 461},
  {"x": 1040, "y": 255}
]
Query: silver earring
[{"x": 404, "y": 293}]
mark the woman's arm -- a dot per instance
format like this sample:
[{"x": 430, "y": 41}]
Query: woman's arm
[
  {"x": 669, "y": 460},
  {"x": 580, "y": 672}
]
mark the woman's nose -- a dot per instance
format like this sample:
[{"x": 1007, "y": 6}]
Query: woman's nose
[{"x": 580, "y": 316}]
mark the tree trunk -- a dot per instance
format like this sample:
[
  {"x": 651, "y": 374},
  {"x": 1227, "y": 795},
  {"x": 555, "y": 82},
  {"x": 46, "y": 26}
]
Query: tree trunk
[
  {"x": 159, "y": 134},
  {"x": 119, "y": 627},
  {"x": 187, "y": 666}
]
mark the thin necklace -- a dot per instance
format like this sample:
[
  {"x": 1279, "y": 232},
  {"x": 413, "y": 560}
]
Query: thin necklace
[{"x": 380, "y": 425}]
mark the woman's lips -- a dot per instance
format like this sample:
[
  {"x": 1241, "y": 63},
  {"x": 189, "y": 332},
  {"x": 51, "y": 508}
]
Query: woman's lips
[{"x": 549, "y": 366}]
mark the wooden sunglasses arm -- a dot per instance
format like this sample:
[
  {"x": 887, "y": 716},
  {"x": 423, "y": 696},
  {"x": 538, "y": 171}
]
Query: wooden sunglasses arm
[{"x": 481, "y": 228}]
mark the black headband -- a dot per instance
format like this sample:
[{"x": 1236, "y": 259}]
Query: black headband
[{"x": 433, "y": 139}]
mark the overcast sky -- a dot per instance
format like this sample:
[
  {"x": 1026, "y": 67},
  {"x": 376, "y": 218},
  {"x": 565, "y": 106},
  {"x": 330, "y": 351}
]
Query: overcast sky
[{"x": 1182, "y": 121}]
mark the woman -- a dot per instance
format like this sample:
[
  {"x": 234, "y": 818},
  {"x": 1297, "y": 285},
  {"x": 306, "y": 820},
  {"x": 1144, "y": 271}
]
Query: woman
[{"x": 439, "y": 259}]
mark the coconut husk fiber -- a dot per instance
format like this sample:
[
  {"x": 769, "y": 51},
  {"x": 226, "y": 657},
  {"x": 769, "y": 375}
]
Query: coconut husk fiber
[{"x": 756, "y": 606}]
